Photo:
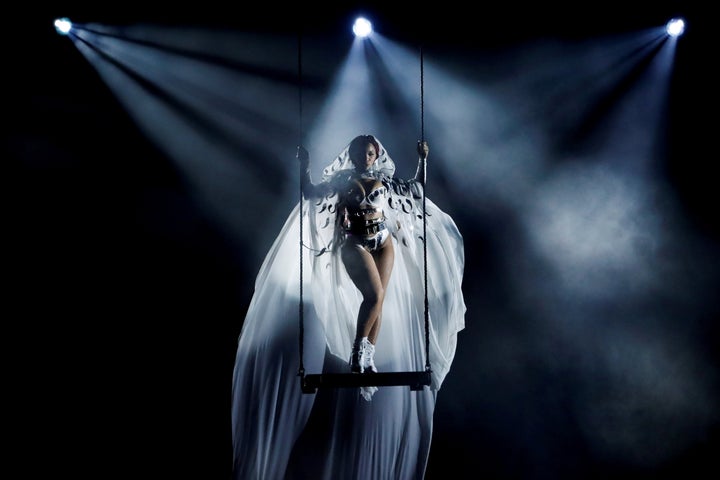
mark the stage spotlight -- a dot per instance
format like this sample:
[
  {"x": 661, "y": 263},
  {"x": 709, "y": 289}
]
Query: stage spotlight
[
  {"x": 63, "y": 26},
  {"x": 675, "y": 27},
  {"x": 362, "y": 27}
]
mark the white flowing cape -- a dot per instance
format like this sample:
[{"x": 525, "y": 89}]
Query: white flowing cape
[{"x": 278, "y": 431}]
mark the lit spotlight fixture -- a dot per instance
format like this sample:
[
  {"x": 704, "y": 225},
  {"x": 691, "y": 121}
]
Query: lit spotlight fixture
[
  {"x": 63, "y": 26},
  {"x": 675, "y": 27},
  {"x": 362, "y": 27}
]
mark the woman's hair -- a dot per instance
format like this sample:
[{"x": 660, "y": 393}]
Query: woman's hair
[{"x": 358, "y": 144}]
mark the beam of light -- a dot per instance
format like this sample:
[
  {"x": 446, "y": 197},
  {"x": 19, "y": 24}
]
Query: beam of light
[
  {"x": 675, "y": 27},
  {"x": 63, "y": 26},
  {"x": 218, "y": 117},
  {"x": 362, "y": 27},
  {"x": 349, "y": 109},
  {"x": 600, "y": 223},
  {"x": 600, "y": 234}
]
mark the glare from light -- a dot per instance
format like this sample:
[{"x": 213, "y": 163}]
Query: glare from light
[
  {"x": 63, "y": 26},
  {"x": 362, "y": 27},
  {"x": 675, "y": 27}
]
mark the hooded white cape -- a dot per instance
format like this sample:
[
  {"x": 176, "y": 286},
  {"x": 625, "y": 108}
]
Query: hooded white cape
[{"x": 278, "y": 431}]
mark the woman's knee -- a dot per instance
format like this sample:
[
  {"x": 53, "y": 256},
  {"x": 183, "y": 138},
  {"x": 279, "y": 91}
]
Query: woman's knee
[{"x": 375, "y": 296}]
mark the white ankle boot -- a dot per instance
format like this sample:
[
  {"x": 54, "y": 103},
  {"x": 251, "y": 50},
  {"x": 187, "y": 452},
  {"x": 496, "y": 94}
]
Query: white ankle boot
[{"x": 367, "y": 356}]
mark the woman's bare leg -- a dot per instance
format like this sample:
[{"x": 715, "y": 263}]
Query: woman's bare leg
[
  {"x": 384, "y": 259},
  {"x": 370, "y": 272},
  {"x": 363, "y": 271}
]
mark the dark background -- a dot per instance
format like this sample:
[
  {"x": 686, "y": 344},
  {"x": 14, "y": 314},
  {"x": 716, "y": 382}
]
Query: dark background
[{"x": 126, "y": 301}]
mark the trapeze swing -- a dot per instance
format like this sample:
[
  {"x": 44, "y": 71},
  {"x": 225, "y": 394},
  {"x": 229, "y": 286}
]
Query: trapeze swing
[{"x": 416, "y": 380}]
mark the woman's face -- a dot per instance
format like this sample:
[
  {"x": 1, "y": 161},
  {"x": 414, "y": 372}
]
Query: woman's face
[{"x": 363, "y": 157}]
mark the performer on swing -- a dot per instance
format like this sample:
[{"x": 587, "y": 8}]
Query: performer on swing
[
  {"x": 357, "y": 225},
  {"x": 364, "y": 192}
]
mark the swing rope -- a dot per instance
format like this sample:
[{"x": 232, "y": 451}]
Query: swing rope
[
  {"x": 425, "y": 265},
  {"x": 301, "y": 370}
]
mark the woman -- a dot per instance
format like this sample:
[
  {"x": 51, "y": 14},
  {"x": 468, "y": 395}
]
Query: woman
[
  {"x": 367, "y": 252},
  {"x": 359, "y": 226}
]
